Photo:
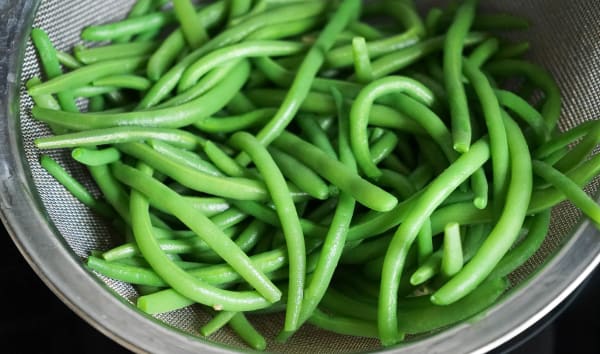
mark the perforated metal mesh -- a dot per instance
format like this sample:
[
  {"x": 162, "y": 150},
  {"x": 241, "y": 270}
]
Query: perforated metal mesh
[{"x": 565, "y": 38}]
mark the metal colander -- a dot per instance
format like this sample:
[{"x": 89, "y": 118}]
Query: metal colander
[{"x": 55, "y": 232}]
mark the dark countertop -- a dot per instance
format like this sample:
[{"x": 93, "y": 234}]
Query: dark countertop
[{"x": 34, "y": 320}]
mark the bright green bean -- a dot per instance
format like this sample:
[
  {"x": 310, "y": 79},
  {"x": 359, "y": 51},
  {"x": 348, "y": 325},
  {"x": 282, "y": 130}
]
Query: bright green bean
[
  {"x": 223, "y": 161},
  {"x": 235, "y": 52},
  {"x": 113, "y": 51},
  {"x": 359, "y": 115},
  {"x": 526, "y": 248},
  {"x": 569, "y": 188},
  {"x": 247, "y": 332},
  {"x": 484, "y": 52},
  {"x": 67, "y": 60},
  {"x": 231, "y": 124},
  {"x": 74, "y": 187},
  {"x": 492, "y": 114},
  {"x": 428, "y": 269},
  {"x": 423, "y": 207},
  {"x": 217, "y": 322},
  {"x": 290, "y": 222},
  {"x": 49, "y": 60},
  {"x": 124, "y": 81},
  {"x": 505, "y": 231},
  {"x": 184, "y": 157},
  {"x": 191, "y": 26},
  {"x": 362, "y": 61},
  {"x": 86, "y": 75},
  {"x": 303, "y": 177},
  {"x": 203, "y": 106},
  {"x": 127, "y": 27},
  {"x": 424, "y": 242},
  {"x": 93, "y": 157},
  {"x": 452, "y": 258},
  {"x": 227, "y": 187},
  {"x": 457, "y": 98},
  {"x": 578, "y": 154},
  {"x": 316, "y": 135},
  {"x": 337, "y": 173},
  {"x": 95, "y": 137},
  {"x": 197, "y": 222}
]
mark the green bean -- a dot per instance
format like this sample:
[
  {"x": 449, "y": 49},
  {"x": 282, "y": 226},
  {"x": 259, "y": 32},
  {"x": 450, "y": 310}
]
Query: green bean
[
  {"x": 307, "y": 71},
  {"x": 424, "y": 242},
  {"x": 217, "y": 322},
  {"x": 231, "y": 124},
  {"x": 569, "y": 188},
  {"x": 362, "y": 62},
  {"x": 423, "y": 207},
  {"x": 359, "y": 115},
  {"x": 93, "y": 91},
  {"x": 49, "y": 60},
  {"x": 580, "y": 151},
  {"x": 505, "y": 231},
  {"x": 184, "y": 157},
  {"x": 288, "y": 216},
  {"x": 343, "y": 325},
  {"x": 231, "y": 35},
  {"x": 526, "y": 112},
  {"x": 164, "y": 56},
  {"x": 430, "y": 267},
  {"x": 286, "y": 30},
  {"x": 67, "y": 60},
  {"x": 320, "y": 103},
  {"x": 303, "y": 177},
  {"x": 95, "y": 137},
  {"x": 124, "y": 272},
  {"x": 203, "y": 106},
  {"x": 113, "y": 51},
  {"x": 227, "y": 187},
  {"x": 383, "y": 147},
  {"x": 484, "y": 52},
  {"x": 337, "y": 173},
  {"x": 453, "y": 63},
  {"x": 404, "y": 57},
  {"x": 169, "y": 300},
  {"x": 207, "y": 230},
  {"x": 127, "y": 27},
  {"x": 141, "y": 7},
  {"x": 87, "y": 74},
  {"x": 524, "y": 250},
  {"x": 267, "y": 215},
  {"x": 538, "y": 76},
  {"x": 74, "y": 187},
  {"x": 562, "y": 140},
  {"x": 246, "y": 331},
  {"x": 408, "y": 16},
  {"x": 365, "y": 30},
  {"x": 170, "y": 247},
  {"x": 96, "y": 104},
  {"x": 239, "y": 8},
  {"x": 316, "y": 135},
  {"x": 202, "y": 86},
  {"x": 493, "y": 119},
  {"x": 512, "y": 50},
  {"x": 235, "y": 52},
  {"x": 400, "y": 183},
  {"x": 432, "y": 20},
  {"x": 46, "y": 101},
  {"x": 452, "y": 258},
  {"x": 92, "y": 157},
  {"x": 479, "y": 185},
  {"x": 124, "y": 81},
  {"x": 191, "y": 26},
  {"x": 431, "y": 123},
  {"x": 223, "y": 161}
]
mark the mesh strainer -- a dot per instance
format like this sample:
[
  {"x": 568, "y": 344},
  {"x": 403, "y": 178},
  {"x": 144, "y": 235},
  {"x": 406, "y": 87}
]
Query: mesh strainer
[{"x": 54, "y": 232}]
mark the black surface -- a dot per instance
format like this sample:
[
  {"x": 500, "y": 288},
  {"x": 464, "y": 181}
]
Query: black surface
[{"x": 34, "y": 320}]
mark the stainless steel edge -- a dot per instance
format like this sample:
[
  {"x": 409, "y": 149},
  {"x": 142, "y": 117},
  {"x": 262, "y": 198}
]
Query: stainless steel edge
[{"x": 62, "y": 271}]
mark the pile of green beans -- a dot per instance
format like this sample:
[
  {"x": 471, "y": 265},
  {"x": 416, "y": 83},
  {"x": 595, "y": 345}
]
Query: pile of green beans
[{"x": 302, "y": 156}]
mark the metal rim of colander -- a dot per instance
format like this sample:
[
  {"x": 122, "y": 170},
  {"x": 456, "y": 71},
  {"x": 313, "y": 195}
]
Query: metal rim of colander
[{"x": 62, "y": 271}]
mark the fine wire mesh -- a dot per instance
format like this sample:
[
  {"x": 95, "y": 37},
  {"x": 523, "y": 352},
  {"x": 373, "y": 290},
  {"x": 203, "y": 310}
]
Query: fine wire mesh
[{"x": 564, "y": 37}]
